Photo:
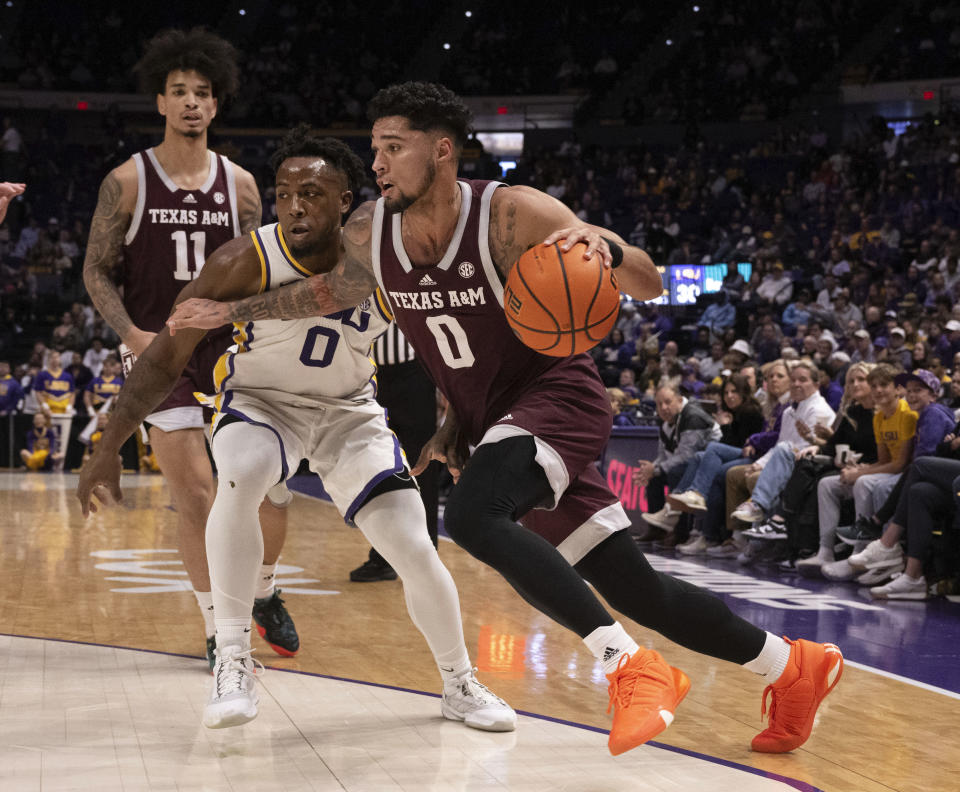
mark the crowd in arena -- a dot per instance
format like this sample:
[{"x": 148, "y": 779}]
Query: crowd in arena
[{"x": 853, "y": 247}]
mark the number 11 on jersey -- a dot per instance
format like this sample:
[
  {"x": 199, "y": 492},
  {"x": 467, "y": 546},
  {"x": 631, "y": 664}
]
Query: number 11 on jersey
[{"x": 199, "y": 239}]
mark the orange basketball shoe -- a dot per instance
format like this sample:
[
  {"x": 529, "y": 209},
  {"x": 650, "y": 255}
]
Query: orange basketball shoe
[
  {"x": 812, "y": 671},
  {"x": 644, "y": 692}
]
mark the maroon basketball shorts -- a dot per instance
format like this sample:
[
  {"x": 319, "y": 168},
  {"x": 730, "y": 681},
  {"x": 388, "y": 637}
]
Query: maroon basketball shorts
[{"x": 570, "y": 425}]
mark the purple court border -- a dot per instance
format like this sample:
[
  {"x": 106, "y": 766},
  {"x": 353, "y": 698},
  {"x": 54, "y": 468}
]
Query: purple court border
[{"x": 801, "y": 786}]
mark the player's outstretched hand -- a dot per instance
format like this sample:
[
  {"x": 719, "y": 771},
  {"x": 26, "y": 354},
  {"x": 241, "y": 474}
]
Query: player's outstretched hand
[
  {"x": 99, "y": 477},
  {"x": 445, "y": 447},
  {"x": 199, "y": 313},
  {"x": 594, "y": 242},
  {"x": 9, "y": 191}
]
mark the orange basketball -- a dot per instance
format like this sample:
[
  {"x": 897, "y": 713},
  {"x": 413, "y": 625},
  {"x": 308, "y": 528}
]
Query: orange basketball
[{"x": 560, "y": 303}]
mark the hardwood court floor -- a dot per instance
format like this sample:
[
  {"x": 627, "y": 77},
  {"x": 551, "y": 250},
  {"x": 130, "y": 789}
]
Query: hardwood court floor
[{"x": 80, "y": 717}]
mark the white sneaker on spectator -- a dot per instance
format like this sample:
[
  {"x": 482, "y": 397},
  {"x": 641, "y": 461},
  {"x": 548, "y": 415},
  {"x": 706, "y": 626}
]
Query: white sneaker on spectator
[
  {"x": 767, "y": 530},
  {"x": 902, "y": 587},
  {"x": 666, "y": 518},
  {"x": 812, "y": 567},
  {"x": 876, "y": 556},
  {"x": 730, "y": 548},
  {"x": 838, "y": 570},
  {"x": 691, "y": 499},
  {"x": 748, "y": 512},
  {"x": 696, "y": 546},
  {"x": 880, "y": 575}
]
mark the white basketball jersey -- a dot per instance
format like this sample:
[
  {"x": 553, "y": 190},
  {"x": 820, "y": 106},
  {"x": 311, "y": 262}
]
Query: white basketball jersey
[{"x": 321, "y": 357}]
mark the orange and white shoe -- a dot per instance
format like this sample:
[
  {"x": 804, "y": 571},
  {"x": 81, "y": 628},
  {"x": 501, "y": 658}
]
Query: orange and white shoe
[
  {"x": 644, "y": 692},
  {"x": 812, "y": 671}
]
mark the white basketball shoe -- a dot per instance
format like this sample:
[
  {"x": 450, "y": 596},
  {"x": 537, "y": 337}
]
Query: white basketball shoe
[
  {"x": 233, "y": 698},
  {"x": 466, "y": 699}
]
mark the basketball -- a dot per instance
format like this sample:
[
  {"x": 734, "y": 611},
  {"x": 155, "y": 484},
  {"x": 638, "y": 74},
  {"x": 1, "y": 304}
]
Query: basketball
[{"x": 560, "y": 303}]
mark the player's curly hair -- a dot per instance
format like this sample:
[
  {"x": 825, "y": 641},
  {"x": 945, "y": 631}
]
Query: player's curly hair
[
  {"x": 197, "y": 49},
  {"x": 428, "y": 106},
  {"x": 301, "y": 142}
]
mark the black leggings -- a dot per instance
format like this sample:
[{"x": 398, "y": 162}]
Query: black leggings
[
  {"x": 501, "y": 482},
  {"x": 930, "y": 484}
]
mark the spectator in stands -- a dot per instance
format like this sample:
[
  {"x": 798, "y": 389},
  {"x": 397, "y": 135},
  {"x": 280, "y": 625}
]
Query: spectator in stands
[
  {"x": 701, "y": 489},
  {"x": 927, "y": 499},
  {"x": 897, "y": 351},
  {"x": 41, "y": 451},
  {"x": 684, "y": 429},
  {"x": 103, "y": 386},
  {"x": 719, "y": 315},
  {"x": 711, "y": 367},
  {"x": 623, "y": 413},
  {"x": 733, "y": 282},
  {"x": 894, "y": 427},
  {"x": 845, "y": 313},
  {"x": 66, "y": 335},
  {"x": 796, "y": 433},
  {"x": 54, "y": 387},
  {"x": 776, "y": 287},
  {"x": 850, "y": 439},
  {"x": 829, "y": 293},
  {"x": 11, "y": 392},
  {"x": 93, "y": 358},
  {"x": 629, "y": 320},
  {"x": 796, "y": 313}
]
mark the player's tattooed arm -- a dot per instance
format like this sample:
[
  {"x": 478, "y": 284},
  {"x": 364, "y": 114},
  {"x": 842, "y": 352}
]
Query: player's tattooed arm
[
  {"x": 348, "y": 283},
  {"x": 101, "y": 266},
  {"x": 249, "y": 206}
]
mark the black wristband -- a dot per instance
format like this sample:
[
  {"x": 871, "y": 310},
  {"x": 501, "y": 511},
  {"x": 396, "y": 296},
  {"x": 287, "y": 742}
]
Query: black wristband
[{"x": 616, "y": 251}]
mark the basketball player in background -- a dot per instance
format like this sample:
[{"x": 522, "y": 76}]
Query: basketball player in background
[
  {"x": 158, "y": 216},
  {"x": 440, "y": 250},
  {"x": 299, "y": 390}
]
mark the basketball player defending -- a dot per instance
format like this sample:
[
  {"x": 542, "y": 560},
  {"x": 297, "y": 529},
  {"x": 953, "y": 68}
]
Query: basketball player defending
[
  {"x": 440, "y": 250},
  {"x": 296, "y": 390},
  {"x": 157, "y": 217}
]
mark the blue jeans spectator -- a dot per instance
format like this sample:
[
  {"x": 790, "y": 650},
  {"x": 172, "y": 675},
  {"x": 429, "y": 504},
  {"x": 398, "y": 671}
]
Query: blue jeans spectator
[
  {"x": 707, "y": 474},
  {"x": 706, "y": 465},
  {"x": 774, "y": 477}
]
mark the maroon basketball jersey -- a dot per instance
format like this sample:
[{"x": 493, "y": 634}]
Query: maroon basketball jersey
[
  {"x": 452, "y": 314},
  {"x": 171, "y": 234}
]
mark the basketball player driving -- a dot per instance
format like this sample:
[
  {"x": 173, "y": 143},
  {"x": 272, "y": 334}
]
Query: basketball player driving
[
  {"x": 292, "y": 391},
  {"x": 530, "y": 501}
]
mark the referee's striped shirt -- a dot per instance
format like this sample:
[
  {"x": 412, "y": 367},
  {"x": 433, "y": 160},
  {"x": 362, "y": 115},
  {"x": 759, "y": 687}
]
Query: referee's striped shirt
[{"x": 391, "y": 347}]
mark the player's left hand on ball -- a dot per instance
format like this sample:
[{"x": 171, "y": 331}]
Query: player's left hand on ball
[
  {"x": 100, "y": 479},
  {"x": 571, "y": 236}
]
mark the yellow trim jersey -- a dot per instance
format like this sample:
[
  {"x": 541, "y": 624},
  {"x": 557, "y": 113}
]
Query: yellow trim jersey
[{"x": 325, "y": 357}]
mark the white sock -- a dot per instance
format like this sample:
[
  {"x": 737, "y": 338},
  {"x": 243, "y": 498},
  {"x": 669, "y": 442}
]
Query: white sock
[
  {"x": 825, "y": 554},
  {"x": 608, "y": 644},
  {"x": 772, "y": 660},
  {"x": 205, "y": 601},
  {"x": 395, "y": 523},
  {"x": 233, "y": 632},
  {"x": 265, "y": 580}
]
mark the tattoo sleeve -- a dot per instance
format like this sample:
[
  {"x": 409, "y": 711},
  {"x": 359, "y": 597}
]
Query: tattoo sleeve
[
  {"x": 151, "y": 380},
  {"x": 250, "y": 210},
  {"x": 104, "y": 251},
  {"x": 504, "y": 247},
  {"x": 348, "y": 284}
]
